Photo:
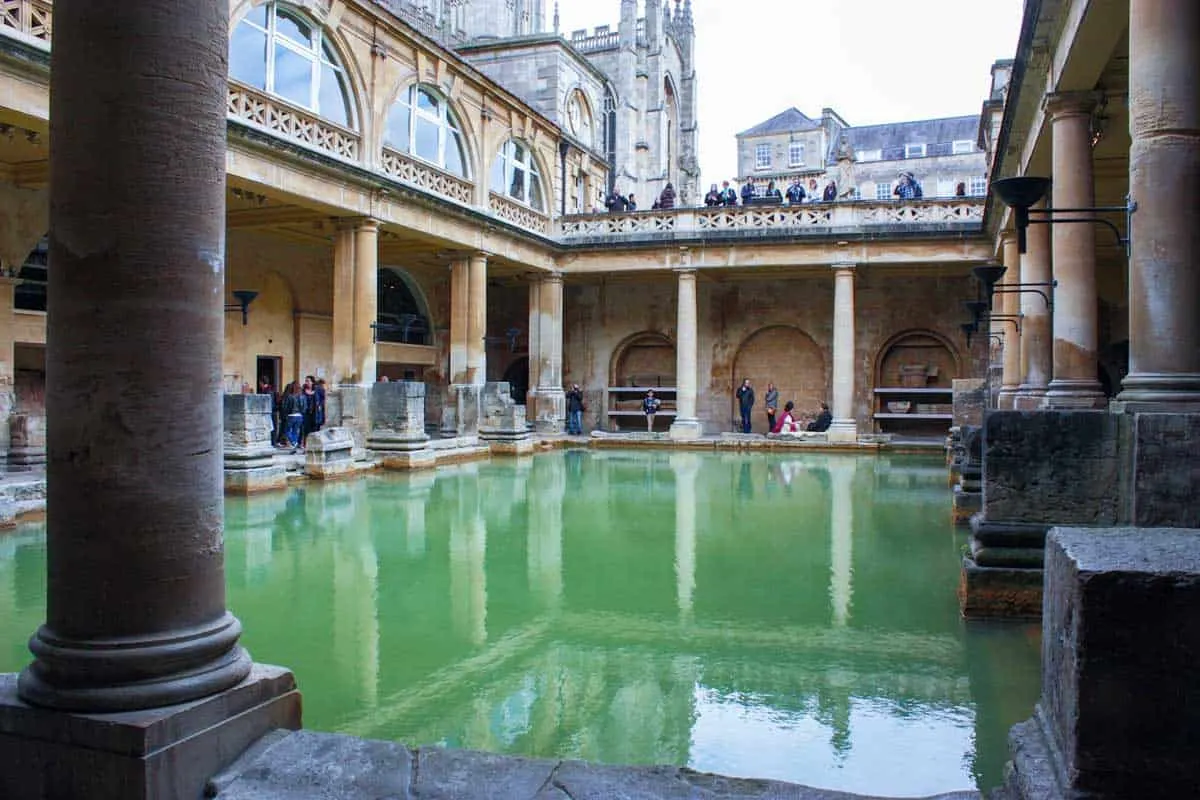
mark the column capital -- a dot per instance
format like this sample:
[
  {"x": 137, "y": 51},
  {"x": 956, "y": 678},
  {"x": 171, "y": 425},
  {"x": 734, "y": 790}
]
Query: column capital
[
  {"x": 1007, "y": 237},
  {"x": 844, "y": 266},
  {"x": 682, "y": 271},
  {"x": 356, "y": 223},
  {"x": 549, "y": 277},
  {"x": 1070, "y": 104}
]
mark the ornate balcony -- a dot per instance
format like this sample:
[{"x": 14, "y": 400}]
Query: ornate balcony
[
  {"x": 520, "y": 215},
  {"x": 949, "y": 215},
  {"x": 273, "y": 115},
  {"x": 30, "y": 18},
  {"x": 427, "y": 177}
]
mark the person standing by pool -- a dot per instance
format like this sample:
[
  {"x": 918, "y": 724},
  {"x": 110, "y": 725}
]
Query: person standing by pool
[
  {"x": 745, "y": 398},
  {"x": 650, "y": 405},
  {"x": 575, "y": 411},
  {"x": 772, "y": 401}
]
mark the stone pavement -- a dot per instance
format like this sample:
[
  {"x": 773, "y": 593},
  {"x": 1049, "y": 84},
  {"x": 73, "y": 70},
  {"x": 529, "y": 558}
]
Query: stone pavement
[{"x": 304, "y": 765}]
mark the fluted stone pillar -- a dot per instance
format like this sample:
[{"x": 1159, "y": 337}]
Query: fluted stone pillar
[
  {"x": 844, "y": 427},
  {"x": 1009, "y": 304},
  {"x": 366, "y": 288},
  {"x": 686, "y": 424},
  {"x": 550, "y": 407},
  {"x": 1164, "y": 160},
  {"x": 1073, "y": 245},
  {"x": 1036, "y": 340},
  {"x": 460, "y": 293},
  {"x": 476, "y": 319},
  {"x": 136, "y": 613},
  {"x": 343, "y": 304}
]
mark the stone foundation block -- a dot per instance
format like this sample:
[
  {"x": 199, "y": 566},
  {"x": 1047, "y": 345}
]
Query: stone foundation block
[
  {"x": 1166, "y": 452},
  {"x": 413, "y": 459},
  {"x": 1119, "y": 711},
  {"x": 969, "y": 398},
  {"x": 1000, "y": 592},
  {"x": 27, "y": 442},
  {"x": 329, "y": 453},
  {"x": 510, "y": 447},
  {"x": 246, "y": 442},
  {"x": 397, "y": 411},
  {"x": 138, "y": 755},
  {"x": 466, "y": 398}
]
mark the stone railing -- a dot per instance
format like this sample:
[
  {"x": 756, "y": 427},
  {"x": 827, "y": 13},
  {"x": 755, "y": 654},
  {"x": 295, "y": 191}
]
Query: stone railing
[
  {"x": 597, "y": 42},
  {"x": 520, "y": 215},
  {"x": 425, "y": 176},
  {"x": 28, "y": 17},
  {"x": 275, "y": 116},
  {"x": 815, "y": 218}
]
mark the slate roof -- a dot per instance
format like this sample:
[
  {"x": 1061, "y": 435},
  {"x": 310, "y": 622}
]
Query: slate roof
[
  {"x": 891, "y": 137},
  {"x": 786, "y": 122}
]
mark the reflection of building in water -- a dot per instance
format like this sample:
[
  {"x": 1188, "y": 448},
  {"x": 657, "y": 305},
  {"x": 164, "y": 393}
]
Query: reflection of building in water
[
  {"x": 545, "y": 530},
  {"x": 356, "y": 586},
  {"x": 468, "y": 555}
]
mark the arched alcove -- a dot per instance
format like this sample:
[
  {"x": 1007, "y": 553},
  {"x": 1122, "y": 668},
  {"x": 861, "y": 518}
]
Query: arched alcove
[
  {"x": 900, "y": 357},
  {"x": 644, "y": 359},
  {"x": 789, "y": 358},
  {"x": 402, "y": 314}
]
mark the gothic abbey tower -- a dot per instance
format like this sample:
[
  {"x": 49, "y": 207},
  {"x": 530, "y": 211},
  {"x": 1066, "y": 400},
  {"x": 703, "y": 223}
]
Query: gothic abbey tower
[{"x": 629, "y": 94}]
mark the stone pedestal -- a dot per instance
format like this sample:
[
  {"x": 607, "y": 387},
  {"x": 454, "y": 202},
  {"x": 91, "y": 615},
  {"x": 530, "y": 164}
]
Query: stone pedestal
[
  {"x": 249, "y": 456},
  {"x": 26, "y": 442},
  {"x": 397, "y": 416},
  {"x": 138, "y": 755},
  {"x": 466, "y": 398},
  {"x": 329, "y": 453},
  {"x": 1116, "y": 718},
  {"x": 968, "y": 493},
  {"x": 502, "y": 424},
  {"x": 355, "y": 416}
]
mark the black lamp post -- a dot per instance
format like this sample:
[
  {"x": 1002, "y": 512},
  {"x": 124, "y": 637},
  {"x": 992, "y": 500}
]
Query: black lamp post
[
  {"x": 1021, "y": 193},
  {"x": 989, "y": 275}
]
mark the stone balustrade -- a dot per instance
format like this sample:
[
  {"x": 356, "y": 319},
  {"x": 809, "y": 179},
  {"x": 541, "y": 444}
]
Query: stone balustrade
[
  {"x": 426, "y": 176},
  {"x": 271, "y": 114},
  {"x": 818, "y": 219},
  {"x": 30, "y": 18}
]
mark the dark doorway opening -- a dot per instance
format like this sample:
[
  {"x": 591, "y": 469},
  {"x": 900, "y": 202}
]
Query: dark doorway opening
[{"x": 271, "y": 368}]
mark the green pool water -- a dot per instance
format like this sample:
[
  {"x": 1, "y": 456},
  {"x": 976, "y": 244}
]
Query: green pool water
[{"x": 780, "y": 616}]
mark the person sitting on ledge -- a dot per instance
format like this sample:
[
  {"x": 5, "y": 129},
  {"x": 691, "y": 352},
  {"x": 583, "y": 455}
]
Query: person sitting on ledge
[
  {"x": 822, "y": 422},
  {"x": 787, "y": 423}
]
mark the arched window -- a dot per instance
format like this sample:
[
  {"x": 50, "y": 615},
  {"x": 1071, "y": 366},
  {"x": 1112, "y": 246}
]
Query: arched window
[
  {"x": 515, "y": 174},
  {"x": 280, "y": 51},
  {"x": 400, "y": 317},
  {"x": 421, "y": 123}
]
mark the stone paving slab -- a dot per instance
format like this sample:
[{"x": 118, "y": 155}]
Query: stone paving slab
[{"x": 306, "y": 765}]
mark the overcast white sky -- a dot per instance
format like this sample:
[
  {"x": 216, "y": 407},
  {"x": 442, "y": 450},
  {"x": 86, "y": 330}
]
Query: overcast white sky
[{"x": 872, "y": 61}]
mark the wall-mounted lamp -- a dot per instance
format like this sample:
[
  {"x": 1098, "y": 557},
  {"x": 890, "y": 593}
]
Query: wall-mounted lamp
[
  {"x": 969, "y": 329},
  {"x": 989, "y": 275},
  {"x": 1021, "y": 193},
  {"x": 244, "y": 299}
]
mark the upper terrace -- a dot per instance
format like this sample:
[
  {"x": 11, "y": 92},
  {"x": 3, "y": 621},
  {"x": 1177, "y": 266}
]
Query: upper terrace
[{"x": 326, "y": 167}]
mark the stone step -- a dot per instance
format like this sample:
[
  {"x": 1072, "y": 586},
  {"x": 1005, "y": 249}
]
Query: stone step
[{"x": 306, "y": 764}]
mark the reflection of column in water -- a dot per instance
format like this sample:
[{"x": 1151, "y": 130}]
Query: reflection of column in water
[
  {"x": 414, "y": 527},
  {"x": 544, "y": 548},
  {"x": 685, "y": 466},
  {"x": 841, "y": 540},
  {"x": 468, "y": 573},
  {"x": 355, "y": 599}
]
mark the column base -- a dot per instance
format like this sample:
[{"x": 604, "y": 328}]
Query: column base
[
  {"x": 843, "y": 431},
  {"x": 138, "y": 755},
  {"x": 550, "y": 404},
  {"x": 1075, "y": 395},
  {"x": 999, "y": 592},
  {"x": 1029, "y": 398},
  {"x": 686, "y": 430},
  {"x": 1008, "y": 398},
  {"x": 1156, "y": 391}
]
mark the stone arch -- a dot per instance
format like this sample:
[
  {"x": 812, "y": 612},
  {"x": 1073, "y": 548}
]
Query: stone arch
[
  {"x": 917, "y": 346},
  {"x": 646, "y": 358},
  {"x": 788, "y": 357},
  {"x": 318, "y": 12},
  {"x": 402, "y": 310}
]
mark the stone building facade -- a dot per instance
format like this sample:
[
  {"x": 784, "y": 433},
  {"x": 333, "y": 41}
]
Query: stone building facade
[{"x": 864, "y": 162}]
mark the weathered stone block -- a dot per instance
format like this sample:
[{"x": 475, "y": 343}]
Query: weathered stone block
[
  {"x": 1119, "y": 711},
  {"x": 354, "y": 402},
  {"x": 397, "y": 412},
  {"x": 329, "y": 453},
  {"x": 467, "y": 399},
  {"x": 27, "y": 442},
  {"x": 1055, "y": 467},
  {"x": 970, "y": 399},
  {"x": 1007, "y": 592},
  {"x": 1166, "y": 470},
  {"x": 502, "y": 424},
  {"x": 249, "y": 456}
]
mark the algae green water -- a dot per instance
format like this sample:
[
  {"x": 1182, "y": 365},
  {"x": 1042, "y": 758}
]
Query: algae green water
[{"x": 779, "y": 616}]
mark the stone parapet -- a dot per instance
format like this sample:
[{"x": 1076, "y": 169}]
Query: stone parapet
[
  {"x": 249, "y": 464},
  {"x": 1119, "y": 644}
]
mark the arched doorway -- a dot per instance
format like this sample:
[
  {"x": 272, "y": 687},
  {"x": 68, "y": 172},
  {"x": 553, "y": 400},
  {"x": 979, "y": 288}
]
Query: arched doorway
[
  {"x": 787, "y": 357},
  {"x": 644, "y": 361}
]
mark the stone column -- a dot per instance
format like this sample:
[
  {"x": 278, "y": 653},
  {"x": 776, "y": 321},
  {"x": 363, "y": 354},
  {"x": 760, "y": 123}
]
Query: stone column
[
  {"x": 686, "y": 424},
  {"x": 1009, "y": 304},
  {"x": 476, "y": 319},
  {"x": 844, "y": 427},
  {"x": 343, "y": 305},
  {"x": 1036, "y": 341},
  {"x": 1164, "y": 285},
  {"x": 459, "y": 303},
  {"x": 366, "y": 287},
  {"x": 136, "y": 613},
  {"x": 535, "y": 346},
  {"x": 8, "y": 372},
  {"x": 1073, "y": 245},
  {"x": 551, "y": 400}
]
